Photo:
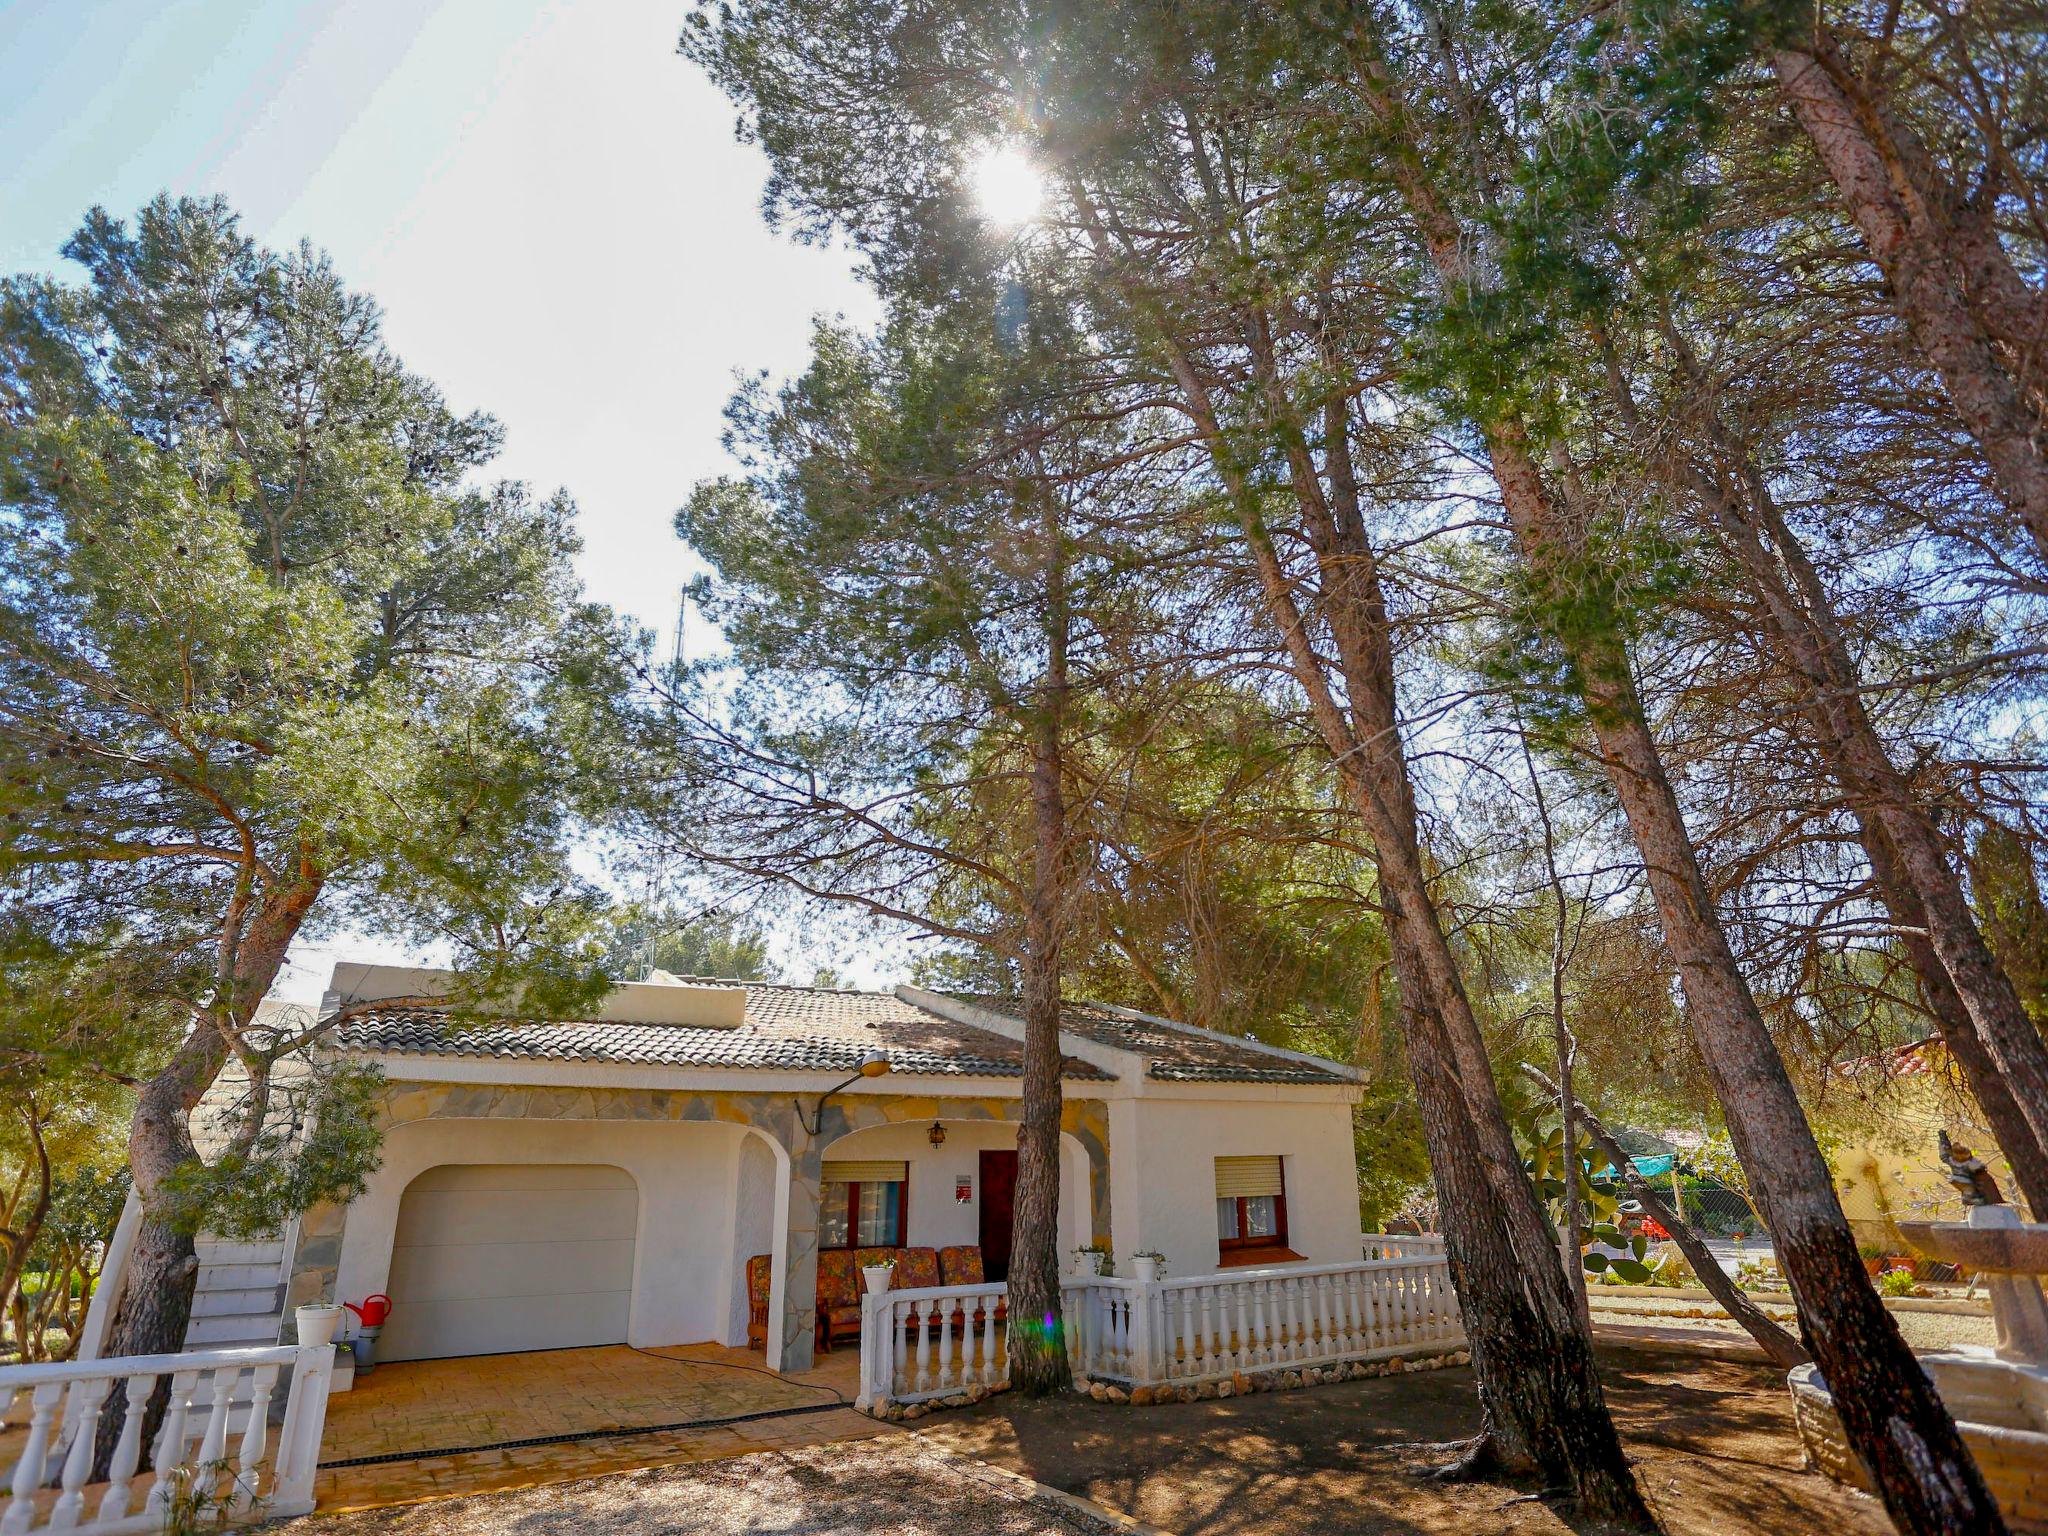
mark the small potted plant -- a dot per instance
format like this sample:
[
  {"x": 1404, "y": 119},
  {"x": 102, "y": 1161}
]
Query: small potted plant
[
  {"x": 1094, "y": 1258},
  {"x": 878, "y": 1276},
  {"x": 318, "y": 1322},
  {"x": 1149, "y": 1265}
]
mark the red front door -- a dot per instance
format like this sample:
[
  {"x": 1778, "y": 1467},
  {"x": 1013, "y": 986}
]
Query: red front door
[{"x": 998, "y": 1209}]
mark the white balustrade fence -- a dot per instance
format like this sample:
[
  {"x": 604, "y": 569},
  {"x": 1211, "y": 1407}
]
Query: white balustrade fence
[
  {"x": 933, "y": 1342},
  {"x": 213, "y": 1449},
  {"x": 924, "y": 1344},
  {"x": 1395, "y": 1245}
]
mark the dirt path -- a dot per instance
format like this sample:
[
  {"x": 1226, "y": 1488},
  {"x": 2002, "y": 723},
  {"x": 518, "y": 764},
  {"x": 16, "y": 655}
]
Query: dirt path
[{"x": 1712, "y": 1441}]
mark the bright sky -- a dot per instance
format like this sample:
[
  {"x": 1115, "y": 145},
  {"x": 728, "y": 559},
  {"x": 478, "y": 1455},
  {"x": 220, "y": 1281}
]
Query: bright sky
[{"x": 546, "y": 200}]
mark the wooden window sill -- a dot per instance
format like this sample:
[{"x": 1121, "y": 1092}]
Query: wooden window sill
[{"x": 1247, "y": 1258}]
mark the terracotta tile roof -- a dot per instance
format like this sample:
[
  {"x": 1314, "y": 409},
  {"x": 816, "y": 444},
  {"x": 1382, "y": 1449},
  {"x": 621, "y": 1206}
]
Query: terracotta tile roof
[
  {"x": 1174, "y": 1053},
  {"x": 789, "y": 1029}
]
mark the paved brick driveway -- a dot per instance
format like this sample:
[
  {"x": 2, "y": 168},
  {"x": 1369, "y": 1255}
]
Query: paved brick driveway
[{"x": 433, "y": 1412}]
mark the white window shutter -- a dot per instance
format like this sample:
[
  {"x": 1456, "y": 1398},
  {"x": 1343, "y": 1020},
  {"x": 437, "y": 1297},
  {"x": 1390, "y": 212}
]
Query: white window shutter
[
  {"x": 1239, "y": 1178},
  {"x": 866, "y": 1173}
]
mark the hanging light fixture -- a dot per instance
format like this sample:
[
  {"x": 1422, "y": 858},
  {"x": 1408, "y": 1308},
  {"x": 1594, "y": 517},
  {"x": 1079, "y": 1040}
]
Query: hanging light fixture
[{"x": 936, "y": 1135}]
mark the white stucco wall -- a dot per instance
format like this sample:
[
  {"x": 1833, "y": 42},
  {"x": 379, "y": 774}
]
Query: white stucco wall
[
  {"x": 936, "y": 1219},
  {"x": 1163, "y": 1153},
  {"x": 753, "y": 1223},
  {"x": 684, "y": 1259}
]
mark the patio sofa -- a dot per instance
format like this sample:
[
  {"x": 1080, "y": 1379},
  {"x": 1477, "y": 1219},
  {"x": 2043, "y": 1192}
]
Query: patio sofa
[{"x": 839, "y": 1284}]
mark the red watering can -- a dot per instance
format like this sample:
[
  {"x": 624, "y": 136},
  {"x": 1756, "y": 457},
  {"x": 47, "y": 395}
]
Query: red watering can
[{"x": 373, "y": 1311}]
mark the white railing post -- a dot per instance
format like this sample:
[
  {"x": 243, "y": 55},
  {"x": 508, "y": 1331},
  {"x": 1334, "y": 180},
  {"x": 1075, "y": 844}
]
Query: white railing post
[
  {"x": 1143, "y": 1367},
  {"x": 298, "y": 1441},
  {"x": 877, "y": 1351}
]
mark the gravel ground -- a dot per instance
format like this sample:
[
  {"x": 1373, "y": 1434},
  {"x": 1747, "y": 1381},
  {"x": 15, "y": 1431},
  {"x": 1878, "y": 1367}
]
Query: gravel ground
[
  {"x": 899, "y": 1485},
  {"x": 1712, "y": 1441}
]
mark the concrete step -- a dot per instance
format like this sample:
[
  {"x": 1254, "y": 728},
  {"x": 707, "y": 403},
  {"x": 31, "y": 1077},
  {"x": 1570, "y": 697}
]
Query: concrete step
[
  {"x": 243, "y": 1301},
  {"x": 236, "y": 1277},
  {"x": 216, "y": 1250},
  {"x": 235, "y": 1330}
]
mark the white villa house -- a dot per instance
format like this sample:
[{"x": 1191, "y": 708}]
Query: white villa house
[{"x": 617, "y": 1179}]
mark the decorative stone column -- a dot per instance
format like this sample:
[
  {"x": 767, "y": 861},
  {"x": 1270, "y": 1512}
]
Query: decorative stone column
[{"x": 800, "y": 1253}]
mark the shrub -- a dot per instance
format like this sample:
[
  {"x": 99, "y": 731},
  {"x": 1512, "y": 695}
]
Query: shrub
[{"x": 1897, "y": 1282}]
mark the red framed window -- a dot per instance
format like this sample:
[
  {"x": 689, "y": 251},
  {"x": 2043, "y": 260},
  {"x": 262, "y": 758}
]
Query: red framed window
[
  {"x": 1251, "y": 1208},
  {"x": 864, "y": 1206}
]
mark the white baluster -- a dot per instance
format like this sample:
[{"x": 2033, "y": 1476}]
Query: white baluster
[
  {"x": 248, "y": 1466},
  {"x": 1258, "y": 1345},
  {"x": 127, "y": 1451},
  {"x": 1243, "y": 1351},
  {"x": 82, "y": 1416},
  {"x": 28, "y": 1471},
  {"x": 899, "y": 1347},
  {"x": 213, "y": 1445},
  {"x": 948, "y": 1377},
  {"x": 990, "y": 1373},
  {"x": 170, "y": 1444},
  {"x": 927, "y": 1368}
]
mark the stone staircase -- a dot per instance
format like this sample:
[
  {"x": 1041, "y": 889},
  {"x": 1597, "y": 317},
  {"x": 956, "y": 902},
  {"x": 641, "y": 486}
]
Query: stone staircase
[{"x": 239, "y": 1304}]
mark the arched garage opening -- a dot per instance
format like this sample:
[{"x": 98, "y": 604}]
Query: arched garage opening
[{"x": 488, "y": 1258}]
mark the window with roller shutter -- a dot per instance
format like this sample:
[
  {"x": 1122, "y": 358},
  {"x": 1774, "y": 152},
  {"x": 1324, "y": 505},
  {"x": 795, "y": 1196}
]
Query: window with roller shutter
[{"x": 1251, "y": 1208}]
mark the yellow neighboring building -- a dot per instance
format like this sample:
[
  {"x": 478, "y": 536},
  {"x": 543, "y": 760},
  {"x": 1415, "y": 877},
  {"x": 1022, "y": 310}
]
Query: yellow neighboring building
[{"x": 1881, "y": 1117}]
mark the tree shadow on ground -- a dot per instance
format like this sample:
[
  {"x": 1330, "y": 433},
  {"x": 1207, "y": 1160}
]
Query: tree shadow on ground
[{"x": 1712, "y": 1441}]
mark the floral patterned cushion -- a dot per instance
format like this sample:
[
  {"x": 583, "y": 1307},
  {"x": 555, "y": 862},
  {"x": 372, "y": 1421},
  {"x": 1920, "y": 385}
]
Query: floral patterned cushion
[
  {"x": 760, "y": 1274},
  {"x": 838, "y": 1280},
  {"x": 840, "y": 1317},
  {"x": 962, "y": 1265},
  {"x": 915, "y": 1269}
]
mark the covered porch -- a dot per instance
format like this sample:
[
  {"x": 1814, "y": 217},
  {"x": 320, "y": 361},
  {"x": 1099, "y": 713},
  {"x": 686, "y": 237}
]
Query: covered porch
[{"x": 510, "y": 1219}]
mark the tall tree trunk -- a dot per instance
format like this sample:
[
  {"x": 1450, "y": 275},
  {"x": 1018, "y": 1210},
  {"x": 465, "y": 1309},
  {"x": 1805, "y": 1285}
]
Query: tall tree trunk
[
  {"x": 1564, "y": 1048},
  {"x": 1542, "y": 1400},
  {"x": 1038, "y": 1354},
  {"x": 1783, "y": 1350},
  {"x": 1889, "y": 1409},
  {"x": 155, "y": 1306},
  {"x": 22, "y": 1237},
  {"x": 1972, "y": 1001},
  {"x": 1890, "y": 1413},
  {"x": 1908, "y": 250}
]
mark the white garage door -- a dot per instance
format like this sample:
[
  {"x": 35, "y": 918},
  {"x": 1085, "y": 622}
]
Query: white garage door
[{"x": 496, "y": 1257}]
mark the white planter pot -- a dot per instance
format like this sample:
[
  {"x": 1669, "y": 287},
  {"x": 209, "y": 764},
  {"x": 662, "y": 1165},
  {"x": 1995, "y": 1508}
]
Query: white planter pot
[
  {"x": 318, "y": 1324},
  {"x": 877, "y": 1277},
  {"x": 1092, "y": 1261},
  {"x": 1147, "y": 1267}
]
